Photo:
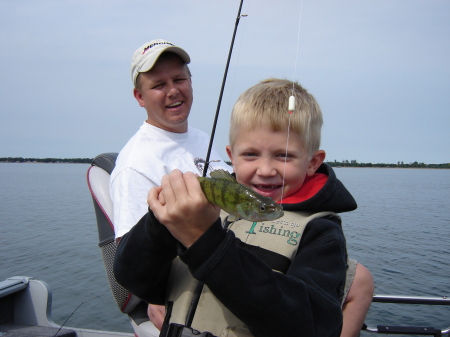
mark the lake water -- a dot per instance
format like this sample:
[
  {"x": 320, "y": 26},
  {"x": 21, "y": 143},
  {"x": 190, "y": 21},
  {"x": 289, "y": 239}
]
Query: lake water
[{"x": 400, "y": 231}]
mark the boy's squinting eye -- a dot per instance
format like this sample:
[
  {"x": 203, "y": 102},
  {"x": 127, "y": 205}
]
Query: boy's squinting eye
[
  {"x": 248, "y": 154},
  {"x": 285, "y": 155}
]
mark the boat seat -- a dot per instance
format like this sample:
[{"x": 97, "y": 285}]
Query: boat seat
[
  {"x": 25, "y": 309},
  {"x": 98, "y": 176}
]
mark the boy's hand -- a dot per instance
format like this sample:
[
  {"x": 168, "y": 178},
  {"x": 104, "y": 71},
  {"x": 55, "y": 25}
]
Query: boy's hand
[{"x": 180, "y": 205}]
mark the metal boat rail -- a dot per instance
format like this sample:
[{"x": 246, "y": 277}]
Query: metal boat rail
[
  {"x": 409, "y": 330},
  {"x": 26, "y": 303}
]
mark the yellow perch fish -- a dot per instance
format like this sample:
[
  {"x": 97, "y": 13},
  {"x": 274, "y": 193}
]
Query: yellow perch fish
[{"x": 223, "y": 190}]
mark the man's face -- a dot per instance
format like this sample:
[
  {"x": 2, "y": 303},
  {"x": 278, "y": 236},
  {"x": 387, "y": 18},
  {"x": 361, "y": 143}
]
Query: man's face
[{"x": 166, "y": 93}]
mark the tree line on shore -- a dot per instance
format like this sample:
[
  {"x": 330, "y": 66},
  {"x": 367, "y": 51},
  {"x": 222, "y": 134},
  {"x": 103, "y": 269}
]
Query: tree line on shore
[
  {"x": 45, "y": 160},
  {"x": 400, "y": 164},
  {"x": 343, "y": 163}
]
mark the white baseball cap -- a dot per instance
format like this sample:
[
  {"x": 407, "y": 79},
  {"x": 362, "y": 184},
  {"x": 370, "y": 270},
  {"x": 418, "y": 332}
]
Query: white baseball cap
[{"x": 145, "y": 57}]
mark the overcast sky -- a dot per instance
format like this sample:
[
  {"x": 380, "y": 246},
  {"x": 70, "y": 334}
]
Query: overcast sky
[{"x": 380, "y": 70}]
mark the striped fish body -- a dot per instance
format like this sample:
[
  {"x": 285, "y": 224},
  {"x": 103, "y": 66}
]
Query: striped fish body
[{"x": 236, "y": 199}]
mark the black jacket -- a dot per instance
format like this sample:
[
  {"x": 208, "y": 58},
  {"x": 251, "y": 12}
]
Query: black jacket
[{"x": 306, "y": 301}]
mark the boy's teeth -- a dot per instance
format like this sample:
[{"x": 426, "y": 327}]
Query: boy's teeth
[{"x": 266, "y": 187}]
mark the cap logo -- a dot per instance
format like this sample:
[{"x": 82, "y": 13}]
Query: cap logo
[{"x": 155, "y": 44}]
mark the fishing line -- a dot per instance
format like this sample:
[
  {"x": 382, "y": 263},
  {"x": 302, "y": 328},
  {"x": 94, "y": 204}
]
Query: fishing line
[
  {"x": 291, "y": 102},
  {"x": 298, "y": 44}
]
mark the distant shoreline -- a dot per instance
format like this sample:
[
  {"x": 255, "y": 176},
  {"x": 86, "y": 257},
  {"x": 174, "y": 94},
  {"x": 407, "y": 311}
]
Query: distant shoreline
[
  {"x": 414, "y": 165},
  {"x": 40, "y": 162},
  {"x": 46, "y": 160},
  {"x": 334, "y": 164},
  {"x": 394, "y": 167}
]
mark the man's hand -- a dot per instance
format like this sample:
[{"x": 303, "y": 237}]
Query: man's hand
[
  {"x": 156, "y": 314},
  {"x": 180, "y": 205}
]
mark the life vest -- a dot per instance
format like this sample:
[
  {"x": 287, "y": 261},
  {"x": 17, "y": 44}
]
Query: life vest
[{"x": 281, "y": 237}]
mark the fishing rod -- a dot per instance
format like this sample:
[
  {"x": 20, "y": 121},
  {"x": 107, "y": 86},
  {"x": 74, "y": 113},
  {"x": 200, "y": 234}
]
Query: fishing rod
[
  {"x": 67, "y": 319},
  {"x": 199, "y": 287},
  {"x": 211, "y": 140}
]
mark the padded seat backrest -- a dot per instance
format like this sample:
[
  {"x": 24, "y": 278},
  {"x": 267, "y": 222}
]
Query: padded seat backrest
[{"x": 98, "y": 181}]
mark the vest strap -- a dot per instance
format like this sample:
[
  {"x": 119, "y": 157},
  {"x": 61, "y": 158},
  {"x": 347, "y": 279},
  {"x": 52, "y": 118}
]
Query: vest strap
[{"x": 276, "y": 261}]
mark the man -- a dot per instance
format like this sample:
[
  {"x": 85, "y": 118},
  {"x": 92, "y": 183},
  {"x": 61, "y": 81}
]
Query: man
[{"x": 163, "y": 86}]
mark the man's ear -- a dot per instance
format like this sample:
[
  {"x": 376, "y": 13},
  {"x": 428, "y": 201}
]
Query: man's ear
[
  {"x": 316, "y": 160},
  {"x": 137, "y": 94}
]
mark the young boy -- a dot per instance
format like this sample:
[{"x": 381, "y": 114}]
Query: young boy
[{"x": 246, "y": 293}]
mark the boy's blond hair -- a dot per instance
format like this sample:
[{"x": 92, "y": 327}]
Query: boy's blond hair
[{"x": 266, "y": 104}]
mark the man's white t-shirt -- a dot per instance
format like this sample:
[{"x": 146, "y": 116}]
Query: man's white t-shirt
[{"x": 149, "y": 155}]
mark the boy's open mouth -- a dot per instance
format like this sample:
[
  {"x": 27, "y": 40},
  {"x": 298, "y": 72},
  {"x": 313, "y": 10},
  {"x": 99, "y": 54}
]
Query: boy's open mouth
[
  {"x": 267, "y": 187},
  {"x": 262, "y": 189}
]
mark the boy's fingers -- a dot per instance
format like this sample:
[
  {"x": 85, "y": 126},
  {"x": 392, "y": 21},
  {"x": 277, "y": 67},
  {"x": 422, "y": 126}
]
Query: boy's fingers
[
  {"x": 181, "y": 186},
  {"x": 161, "y": 198},
  {"x": 192, "y": 184},
  {"x": 171, "y": 181},
  {"x": 153, "y": 196},
  {"x": 180, "y": 205}
]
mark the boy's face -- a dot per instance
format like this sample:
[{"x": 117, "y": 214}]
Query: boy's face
[{"x": 261, "y": 160}]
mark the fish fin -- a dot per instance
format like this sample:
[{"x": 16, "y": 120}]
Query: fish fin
[
  {"x": 230, "y": 220},
  {"x": 222, "y": 174},
  {"x": 243, "y": 210}
]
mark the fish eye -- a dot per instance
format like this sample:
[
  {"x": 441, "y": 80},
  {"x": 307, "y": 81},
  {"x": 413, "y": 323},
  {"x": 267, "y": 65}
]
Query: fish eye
[{"x": 262, "y": 208}]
